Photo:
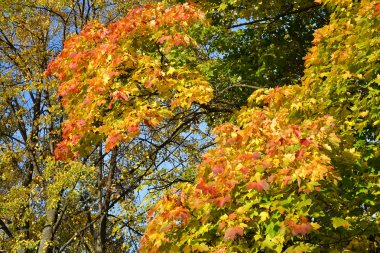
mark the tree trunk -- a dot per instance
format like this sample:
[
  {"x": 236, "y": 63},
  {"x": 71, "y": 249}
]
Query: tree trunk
[
  {"x": 48, "y": 233},
  {"x": 23, "y": 231},
  {"x": 100, "y": 244}
]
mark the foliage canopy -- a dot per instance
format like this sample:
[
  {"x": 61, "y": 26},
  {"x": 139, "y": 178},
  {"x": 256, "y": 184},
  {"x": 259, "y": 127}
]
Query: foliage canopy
[{"x": 118, "y": 122}]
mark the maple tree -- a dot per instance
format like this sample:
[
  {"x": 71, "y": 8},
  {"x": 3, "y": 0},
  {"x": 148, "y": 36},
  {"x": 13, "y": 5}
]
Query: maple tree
[
  {"x": 298, "y": 169},
  {"x": 119, "y": 81}
]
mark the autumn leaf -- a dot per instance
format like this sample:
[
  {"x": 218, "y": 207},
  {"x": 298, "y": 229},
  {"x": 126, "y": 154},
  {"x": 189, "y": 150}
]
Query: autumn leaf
[
  {"x": 377, "y": 9},
  {"x": 232, "y": 232},
  {"x": 303, "y": 229},
  {"x": 258, "y": 185},
  {"x": 221, "y": 201},
  {"x": 340, "y": 222}
]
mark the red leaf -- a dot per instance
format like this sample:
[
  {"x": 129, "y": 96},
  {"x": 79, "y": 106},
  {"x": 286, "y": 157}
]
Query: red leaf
[
  {"x": 222, "y": 225},
  {"x": 148, "y": 84},
  {"x": 256, "y": 155},
  {"x": 150, "y": 213},
  {"x": 222, "y": 200},
  {"x": 297, "y": 132},
  {"x": 232, "y": 216},
  {"x": 260, "y": 185},
  {"x": 266, "y": 164},
  {"x": 62, "y": 151},
  {"x": 207, "y": 189},
  {"x": 231, "y": 233},
  {"x": 305, "y": 142},
  {"x": 287, "y": 179},
  {"x": 162, "y": 39},
  {"x": 113, "y": 139},
  {"x": 377, "y": 9},
  {"x": 134, "y": 128},
  {"x": 302, "y": 229},
  {"x": 300, "y": 154},
  {"x": 217, "y": 169},
  {"x": 244, "y": 170},
  {"x": 180, "y": 212},
  {"x": 73, "y": 65}
]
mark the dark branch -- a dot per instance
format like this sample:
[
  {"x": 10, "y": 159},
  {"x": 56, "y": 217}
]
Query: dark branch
[
  {"x": 5, "y": 228},
  {"x": 288, "y": 13}
]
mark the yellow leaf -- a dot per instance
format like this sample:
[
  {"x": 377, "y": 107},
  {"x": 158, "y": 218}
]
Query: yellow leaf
[
  {"x": 171, "y": 70},
  {"x": 363, "y": 114},
  {"x": 327, "y": 146},
  {"x": 347, "y": 75},
  {"x": 264, "y": 216},
  {"x": 200, "y": 247},
  {"x": 315, "y": 225},
  {"x": 339, "y": 222}
]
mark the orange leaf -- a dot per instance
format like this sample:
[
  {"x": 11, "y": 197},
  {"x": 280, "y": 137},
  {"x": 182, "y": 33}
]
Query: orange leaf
[
  {"x": 222, "y": 200},
  {"x": 260, "y": 185},
  {"x": 302, "y": 229},
  {"x": 232, "y": 216},
  {"x": 377, "y": 9},
  {"x": 62, "y": 151}
]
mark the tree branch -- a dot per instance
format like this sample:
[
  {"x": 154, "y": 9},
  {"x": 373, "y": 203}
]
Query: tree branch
[
  {"x": 5, "y": 228},
  {"x": 300, "y": 10}
]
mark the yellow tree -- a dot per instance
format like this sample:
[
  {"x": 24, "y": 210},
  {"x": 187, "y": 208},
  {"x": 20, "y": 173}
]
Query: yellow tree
[{"x": 44, "y": 202}]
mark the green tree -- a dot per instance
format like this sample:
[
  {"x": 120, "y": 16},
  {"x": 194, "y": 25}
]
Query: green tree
[{"x": 253, "y": 44}]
